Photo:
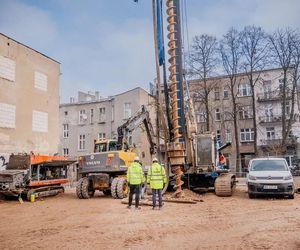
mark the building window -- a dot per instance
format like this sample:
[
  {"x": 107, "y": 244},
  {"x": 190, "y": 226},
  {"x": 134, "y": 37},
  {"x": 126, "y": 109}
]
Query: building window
[
  {"x": 270, "y": 133},
  {"x": 287, "y": 108},
  {"x": 82, "y": 116},
  {"x": 65, "y": 130},
  {"x": 66, "y": 152},
  {"x": 101, "y": 114},
  {"x": 228, "y": 135},
  {"x": 113, "y": 135},
  {"x": 226, "y": 92},
  {"x": 218, "y": 135},
  {"x": 244, "y": 89},
  {"x": 217, "y": 93},
  {"x": 101, "y": 136},
  {"x": 81, "y": 142},
  {"x": 40, "y": 81},
  {"x": 269, "y": 112},
  {"x": 267, "y": 85},
  {"x": 247, "y": 134},
  {"x": 92, "y": 116},
  {"x": 200, "y": 117},
  {"x": 7, "y": 68},
  {"x": 127, "y": 110},
  {"x": 39, "y": 121},
  {"x": 245, "y": 112},
  {"x": 218, "y": 115},
  {"x": 7, "y": 115}
]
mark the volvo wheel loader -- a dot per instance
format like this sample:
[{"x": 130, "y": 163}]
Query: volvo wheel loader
[{"x": 105, "y": 169}]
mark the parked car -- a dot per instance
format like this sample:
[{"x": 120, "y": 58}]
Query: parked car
[{"x": 270, "y": 176}]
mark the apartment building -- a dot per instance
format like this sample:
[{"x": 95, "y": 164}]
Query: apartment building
[
  {"x": 93, "y": 117},
  {"x": 29, "y": 100},
  {"x": 268, "y": 102}
]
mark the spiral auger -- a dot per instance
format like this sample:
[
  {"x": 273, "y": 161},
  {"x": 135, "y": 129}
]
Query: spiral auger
[{"x": 176, "y": 149}]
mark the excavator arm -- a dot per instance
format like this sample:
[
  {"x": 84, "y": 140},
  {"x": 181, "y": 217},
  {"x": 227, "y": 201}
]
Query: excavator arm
[{"x": 141, "y": 117}]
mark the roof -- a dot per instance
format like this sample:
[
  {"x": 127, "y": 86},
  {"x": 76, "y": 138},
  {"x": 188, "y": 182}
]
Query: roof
[
  {"x": 136, "y": 88},
  {"x": 238, "y": 74},
  {"x": 101, "y": 100},
  {"x": 86, "y": 102},
  {"x": 29, "y": 47}
]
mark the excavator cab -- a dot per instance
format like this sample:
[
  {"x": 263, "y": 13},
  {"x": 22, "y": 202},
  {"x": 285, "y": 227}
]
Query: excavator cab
[{"x": 106, "y": 145}]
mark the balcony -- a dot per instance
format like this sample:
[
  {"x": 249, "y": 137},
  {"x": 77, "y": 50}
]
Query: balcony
[
  {"x": 273, "y": 96},
  {"x": 269, "y": 119},
  {"x": 276, "y": 119}
]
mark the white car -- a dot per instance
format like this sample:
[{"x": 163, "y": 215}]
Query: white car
[{"x": 270, "y": 176}]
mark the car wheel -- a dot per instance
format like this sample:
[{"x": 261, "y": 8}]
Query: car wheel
[
  {"x": 291, "y": 196},
  {"x": 251, "y": 196}
]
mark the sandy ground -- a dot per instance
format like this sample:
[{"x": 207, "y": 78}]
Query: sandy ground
[{"x": 65, "y": 222}]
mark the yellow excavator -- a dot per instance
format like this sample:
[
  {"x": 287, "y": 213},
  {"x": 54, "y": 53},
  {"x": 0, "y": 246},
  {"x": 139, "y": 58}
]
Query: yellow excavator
[{"x": 105, "y": 169}]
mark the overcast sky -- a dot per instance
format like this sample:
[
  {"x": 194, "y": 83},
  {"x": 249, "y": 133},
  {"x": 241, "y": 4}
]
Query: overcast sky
[{"x": 107, "y": 45}]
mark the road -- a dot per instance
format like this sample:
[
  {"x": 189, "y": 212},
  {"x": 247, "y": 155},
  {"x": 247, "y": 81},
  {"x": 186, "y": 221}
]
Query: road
[{"x": 65, "y": 222}]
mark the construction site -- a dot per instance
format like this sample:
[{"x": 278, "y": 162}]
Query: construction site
[
  {"x": 235, "y": 222},
  {"x": 221, "y": 152}
]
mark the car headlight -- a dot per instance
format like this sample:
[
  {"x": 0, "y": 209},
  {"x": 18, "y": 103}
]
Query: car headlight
[
  {"x": 251, "y": 177},
  {"x": 288, "y": 177}
]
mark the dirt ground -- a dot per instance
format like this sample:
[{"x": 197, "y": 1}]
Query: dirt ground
[{"x": 65, "y": 222}]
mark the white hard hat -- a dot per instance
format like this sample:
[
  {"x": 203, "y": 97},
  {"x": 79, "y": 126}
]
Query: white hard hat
[
  {"x": 136, "y": 158},
  {"x": 154, "y": 159}
]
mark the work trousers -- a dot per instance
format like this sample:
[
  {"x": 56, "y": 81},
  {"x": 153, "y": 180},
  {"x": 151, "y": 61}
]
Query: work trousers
[
  {"x": 154, "y": 192},
  {"x": 134, "y": 189}
]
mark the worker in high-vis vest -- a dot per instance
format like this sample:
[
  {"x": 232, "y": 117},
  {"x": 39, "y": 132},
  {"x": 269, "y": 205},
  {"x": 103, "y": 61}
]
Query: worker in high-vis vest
[
  {"x": 135, "y": 177},
  {"x": 157, "y": 178}
]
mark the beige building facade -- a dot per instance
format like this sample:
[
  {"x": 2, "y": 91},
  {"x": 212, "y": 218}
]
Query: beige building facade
[
  {"x": 268, "y": 102},
  {"x": 29, "y": 100},
  {"x": 91, "y": 117}
]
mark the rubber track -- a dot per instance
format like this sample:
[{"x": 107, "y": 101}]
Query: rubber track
[{"x": 225, "y": 184}]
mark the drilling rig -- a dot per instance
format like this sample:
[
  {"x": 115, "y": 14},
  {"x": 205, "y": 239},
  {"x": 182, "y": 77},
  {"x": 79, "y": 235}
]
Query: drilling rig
[{"x": 190, "y": 156}]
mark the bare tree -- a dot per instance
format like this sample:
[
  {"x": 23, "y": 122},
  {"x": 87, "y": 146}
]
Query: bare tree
[
  {"x": 202, "y": 64},
  {"x": 230, "y": 51},
  {"x": 283, "y": 45},
  {"x": 254, "y": 48}
]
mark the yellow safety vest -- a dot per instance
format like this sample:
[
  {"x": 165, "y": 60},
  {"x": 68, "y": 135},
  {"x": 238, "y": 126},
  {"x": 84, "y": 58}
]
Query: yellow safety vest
[
  {"x": 135, "y": 175},
  {"x": 156, "y": 176}
]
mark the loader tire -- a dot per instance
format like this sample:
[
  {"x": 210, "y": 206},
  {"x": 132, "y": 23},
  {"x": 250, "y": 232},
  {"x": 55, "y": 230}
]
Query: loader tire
[
  {"x": 113, "y": 188},
  {"x": 78, "y": 188},
  {"x": 122, "y": 188},
  {"x": 85, "y": 191}
]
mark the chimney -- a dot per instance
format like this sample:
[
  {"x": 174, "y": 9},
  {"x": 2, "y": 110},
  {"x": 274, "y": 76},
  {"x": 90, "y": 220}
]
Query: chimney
[{"x": 97, "y": 97}]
